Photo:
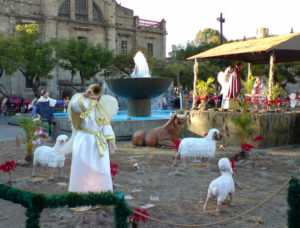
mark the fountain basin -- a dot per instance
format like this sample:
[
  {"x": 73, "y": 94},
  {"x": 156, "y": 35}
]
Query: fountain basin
[{"x": 139, "y": 91}]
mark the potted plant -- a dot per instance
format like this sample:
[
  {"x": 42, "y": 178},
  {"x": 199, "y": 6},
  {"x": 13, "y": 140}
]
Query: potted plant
[
  {"x": 248, "y": 85},
  {"x": 276, "y": 92},
  {"x": 29, "y": 127},
  {"x": 243, "y": 124},
  {"x": 204, "y": 88}
]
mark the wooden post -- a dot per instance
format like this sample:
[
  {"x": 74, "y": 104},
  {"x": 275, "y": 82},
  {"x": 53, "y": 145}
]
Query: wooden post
[
  {"x": 271, "y": 76},
  {"x": 195, "y": 84},
  {"x": 249, "y": 71}
]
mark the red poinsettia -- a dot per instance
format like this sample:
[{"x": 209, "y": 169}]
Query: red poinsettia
[
  {"x": 247, "y": 100},
  {"x": 197, "y": 99},
  {"x": 136, "y": 218},
  {"x": 278, "y": 101},
  {"x": 255, "y": 100},
  {"x": 287, "y": 99},
  {"x": 258, "y": 138},
  {"x": 205, "y": 134},
  {"x": 264, "y": 100},
  {"x": 216, "y": 98},
  {"x": 8, "y": 166},
  {"x": 176, "y": 144},
  {"x": 247, "y": 147},
  {"x": 186, "y": 99},
  {"x": 114, "y": 169}
]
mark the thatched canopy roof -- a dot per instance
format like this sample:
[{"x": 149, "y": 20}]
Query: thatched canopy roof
[{"x": 257, "y": 51}]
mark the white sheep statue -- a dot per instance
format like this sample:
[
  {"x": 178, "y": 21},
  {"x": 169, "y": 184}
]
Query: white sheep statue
[
  {"x": 221, "y": 186},
  {"x": 198, "y": 147},
  {"x": 50, "y": 157}
]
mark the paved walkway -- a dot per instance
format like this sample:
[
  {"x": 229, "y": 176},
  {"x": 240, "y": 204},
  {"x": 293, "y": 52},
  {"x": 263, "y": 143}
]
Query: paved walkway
[{"x": 8, "y": 132}]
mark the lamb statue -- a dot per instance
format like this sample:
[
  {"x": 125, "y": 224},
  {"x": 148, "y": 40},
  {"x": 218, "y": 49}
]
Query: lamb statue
[
  {"x": 161, "y": 136},
  {"x": 222, "y": 186},
  {"x": 198, "y": 147},
  {"x": 50, "y": 157}
]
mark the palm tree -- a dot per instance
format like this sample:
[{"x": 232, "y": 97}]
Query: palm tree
[
  {"x": 29, "y": 126},
  {"x": 204, "y": 88},
  {"x": 248, "y": 84},
  {"x": 243, "y": 124}
]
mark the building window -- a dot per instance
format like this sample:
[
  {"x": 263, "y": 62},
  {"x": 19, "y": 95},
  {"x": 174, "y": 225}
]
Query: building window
[
  {"x": 64, "y": 10},
  {"x": 81, "y": 38},
  {"x": 150, "y": 49},
  {"x": 81, "y": 10},
  {"x": 28, "y": 84},
  {"x": 123, "y": 47},
  {"x": 97, "y": 15}
]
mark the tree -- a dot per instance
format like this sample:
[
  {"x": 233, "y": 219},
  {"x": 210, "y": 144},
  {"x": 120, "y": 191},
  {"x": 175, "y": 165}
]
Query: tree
[
  {"x": 83, "y": 58},
  {"x": 124, "y": 63},
  {"x": 208, "y": 36},
  {"x": 36, "y": 58},
  {"x": 9, "y": 58}
]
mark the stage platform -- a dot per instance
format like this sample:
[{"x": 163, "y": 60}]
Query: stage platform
[{"x": 278, "y": 128}]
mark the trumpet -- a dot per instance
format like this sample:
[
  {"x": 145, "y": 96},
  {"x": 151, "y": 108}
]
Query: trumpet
[{"x": 96, "y": 91}]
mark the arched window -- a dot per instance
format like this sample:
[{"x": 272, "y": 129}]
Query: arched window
[
  {"x": 64, "y": 9},
  {"x": 97, "y": 15},
  {"x": 81, "y": 10}
]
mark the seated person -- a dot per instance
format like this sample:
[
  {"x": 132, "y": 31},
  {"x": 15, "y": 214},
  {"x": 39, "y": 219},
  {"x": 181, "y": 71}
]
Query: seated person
[
  {"x": 258, "y": 91},
  {"x": 45, "y": 108},
  {"x": 258, "y": 87}
]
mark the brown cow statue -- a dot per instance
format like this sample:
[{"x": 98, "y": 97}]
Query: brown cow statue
[{"x": 160, "y": 136}]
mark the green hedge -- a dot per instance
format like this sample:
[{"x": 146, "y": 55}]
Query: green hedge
[
  {"x": 294, "y": 204},
  {"x": 36, "y": 203}
]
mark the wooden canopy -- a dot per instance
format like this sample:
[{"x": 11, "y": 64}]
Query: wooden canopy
[{"x": 286, "y": 48}]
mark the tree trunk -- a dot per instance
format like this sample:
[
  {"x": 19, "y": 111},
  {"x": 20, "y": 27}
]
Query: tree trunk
[
  {"x": 249, "y": 71},
  {"x": 271, "y": 77},
  {"x": 195, "y": 84}
]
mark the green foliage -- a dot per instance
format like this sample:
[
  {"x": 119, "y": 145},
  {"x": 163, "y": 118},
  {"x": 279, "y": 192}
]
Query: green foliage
[
  {"x": 83, "y": 58},
  {"x": 36, "y": 58},
  {"x": 9, "y": 53},
  {"x": 205, "y": 87},
  {"x": 208, "y": 35},
  {"x": 29, "y": 126},
  {"x": 243, "y": 124},
  {"x": 124, "y": 63},
  {"x": 248, "y": 84},
  {"x": 36, "y": 203},
  {"x": 294, "y": 203},
  {"x": 277, "y": 91}
]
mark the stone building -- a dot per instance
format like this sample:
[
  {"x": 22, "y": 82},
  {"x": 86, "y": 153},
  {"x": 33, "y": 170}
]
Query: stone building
[{"x": 100, "y": 21}]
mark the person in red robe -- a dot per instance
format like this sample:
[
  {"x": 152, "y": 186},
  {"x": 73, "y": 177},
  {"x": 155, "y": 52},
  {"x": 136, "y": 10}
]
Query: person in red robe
[{"x": 235, "y": 84}]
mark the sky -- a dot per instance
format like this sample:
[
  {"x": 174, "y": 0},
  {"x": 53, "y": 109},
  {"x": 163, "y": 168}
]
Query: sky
[{"x": 242, "y": 17}]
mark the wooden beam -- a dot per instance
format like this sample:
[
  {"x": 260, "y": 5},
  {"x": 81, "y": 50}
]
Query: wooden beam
[
  {"x": 271, "y": 76},
  {"x": 249, "y": 71},
  {"x": 195, "y": 83}
]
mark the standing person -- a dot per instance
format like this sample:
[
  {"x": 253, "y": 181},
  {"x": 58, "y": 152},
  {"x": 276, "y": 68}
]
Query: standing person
[
  {"x": 45, "y": 108},
  {"x": 92, "y": 140},
  {"x": 223, "y": 79},
  {"x": 164, "y": 102},
  {"x": 66, "y": 103},
  {"x": 235, "y": 84},
  {"x": 4, "y": 107}
]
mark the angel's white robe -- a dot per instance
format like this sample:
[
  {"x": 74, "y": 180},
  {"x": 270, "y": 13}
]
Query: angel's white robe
[{"x": 89, "y": 171}]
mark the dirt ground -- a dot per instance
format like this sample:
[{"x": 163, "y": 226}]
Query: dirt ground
[{"x": 177, "y": 194}]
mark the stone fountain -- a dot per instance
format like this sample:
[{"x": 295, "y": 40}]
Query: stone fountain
[{"x": 139, "y": 88}]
